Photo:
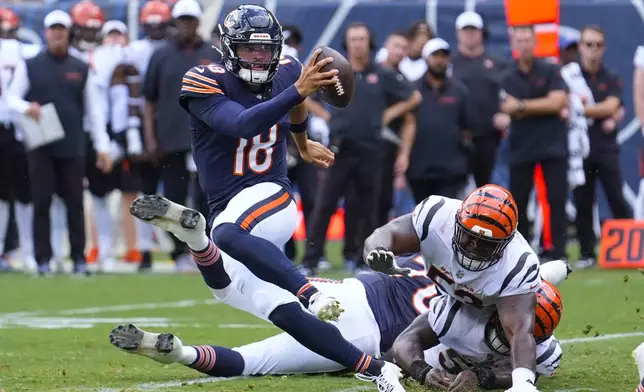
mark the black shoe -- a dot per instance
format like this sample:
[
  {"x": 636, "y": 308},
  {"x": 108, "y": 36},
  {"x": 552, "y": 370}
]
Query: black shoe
[
  {"x": 80, "y": 269},
  {"x": 44, "y": 270}
]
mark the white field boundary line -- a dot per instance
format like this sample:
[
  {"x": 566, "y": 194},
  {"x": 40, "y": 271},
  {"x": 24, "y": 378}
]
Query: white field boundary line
[{"x": 207, "y": 380}]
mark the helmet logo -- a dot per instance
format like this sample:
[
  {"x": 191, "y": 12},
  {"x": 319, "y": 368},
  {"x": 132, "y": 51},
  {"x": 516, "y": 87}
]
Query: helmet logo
[
  {"x": 231, "y": 19},
  {"x": 482, "y": 231},
  {"x": 259, "y": 36}
]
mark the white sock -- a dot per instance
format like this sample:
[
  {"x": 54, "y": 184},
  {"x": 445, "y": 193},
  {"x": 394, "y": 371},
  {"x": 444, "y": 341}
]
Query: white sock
[
  {"x": 58, "y": 218},
  {"x": 4, "y": 222},
  {"x": 104, "y": 224},
  {"x": 188, "y": 355},
  {"x": 24, "y": 221},
  {"x": 145, "y": 236},
  {"x": 199, "y": 242}
]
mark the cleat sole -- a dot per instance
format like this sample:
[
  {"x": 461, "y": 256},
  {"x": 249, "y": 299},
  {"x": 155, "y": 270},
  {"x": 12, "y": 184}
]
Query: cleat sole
[
  {"x": 165, "y": 343},
  {"x": 126, "y": 337},
  {"x": 189, "y": 219},
  {"x": 149, "y": 207}
]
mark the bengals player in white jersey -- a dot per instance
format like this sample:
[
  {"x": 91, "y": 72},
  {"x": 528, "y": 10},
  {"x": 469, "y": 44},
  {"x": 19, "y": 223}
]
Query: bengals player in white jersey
[{"x": 476, "y": 257}]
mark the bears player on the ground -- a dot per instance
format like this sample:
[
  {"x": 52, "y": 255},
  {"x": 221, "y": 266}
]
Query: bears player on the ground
[
  {"x": 476, "y": 257},
  {"x": 241, "y": 111},
  {"x": 479, "y": 355},
  {"x": 378, "y": 308}
]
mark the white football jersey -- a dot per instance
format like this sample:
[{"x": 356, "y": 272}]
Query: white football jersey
[
  {"x": 517, "y": 272},
  {"x": 140, "y": 52},
  {"x": 549, "y": 355},
  {"x": 12, "y": 52}
]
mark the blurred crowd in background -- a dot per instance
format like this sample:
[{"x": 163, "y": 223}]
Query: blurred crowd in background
[{"x": 429, "y": 117}]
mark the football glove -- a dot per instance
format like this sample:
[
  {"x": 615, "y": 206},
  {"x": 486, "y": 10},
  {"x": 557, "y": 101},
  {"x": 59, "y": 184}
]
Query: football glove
[{"x": 382, "y": 260}]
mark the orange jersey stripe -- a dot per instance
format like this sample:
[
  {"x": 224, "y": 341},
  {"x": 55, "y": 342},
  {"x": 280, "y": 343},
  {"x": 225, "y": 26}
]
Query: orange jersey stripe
[
  {"x": 196, "y": 83},
  {"x": 202, "y": 78},
  {"x": 202, "y": 90},
  {"x": 263, "y": 209}
]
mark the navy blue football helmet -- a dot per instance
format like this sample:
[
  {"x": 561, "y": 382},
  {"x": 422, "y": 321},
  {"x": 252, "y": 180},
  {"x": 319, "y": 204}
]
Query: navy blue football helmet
[{"x": 251, "y": 43}]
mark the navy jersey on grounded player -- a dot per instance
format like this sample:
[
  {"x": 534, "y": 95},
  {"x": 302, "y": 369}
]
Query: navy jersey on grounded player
[
  {"x": 397, "y": 300},
  {"x": 238, "y": 138}
]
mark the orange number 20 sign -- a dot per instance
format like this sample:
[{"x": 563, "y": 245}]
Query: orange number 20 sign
[{"x": 622, "y": 244}]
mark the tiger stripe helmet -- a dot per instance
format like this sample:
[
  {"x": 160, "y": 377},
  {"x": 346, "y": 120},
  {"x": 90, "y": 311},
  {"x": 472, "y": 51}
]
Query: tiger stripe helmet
[
  {"x": 9, "y": 21},
  {"x": 88, "y": 15},
  {"x": 155, "y": 12},
  {"x": 485, "y": 225},
  {"x": 547, "y": 316}
]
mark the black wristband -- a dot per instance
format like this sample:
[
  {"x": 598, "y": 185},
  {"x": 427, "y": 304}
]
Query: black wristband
[
  {"x": 487, "y": 379},
  {"x": 418, "y": 370}
]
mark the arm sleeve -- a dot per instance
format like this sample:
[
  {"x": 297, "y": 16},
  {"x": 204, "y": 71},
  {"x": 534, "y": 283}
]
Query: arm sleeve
[
  {"x": 555, "y": 81},
  {"x": 397, "y": 87},
  {"x": 549, "y": 355},
  {"x": 18, "y": 88},
  {"x": 95, "y": 112},
  {"x": 204, "y": 99},
  {"x": 151, "y": 81},
  {"x": 525, "y": 277}
]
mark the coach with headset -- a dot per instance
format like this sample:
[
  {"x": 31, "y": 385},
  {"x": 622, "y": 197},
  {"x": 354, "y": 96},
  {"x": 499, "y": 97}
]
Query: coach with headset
[{"x": 355, "y": 138}]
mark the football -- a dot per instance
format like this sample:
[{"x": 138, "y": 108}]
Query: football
[{"x": 340, "y": 93}]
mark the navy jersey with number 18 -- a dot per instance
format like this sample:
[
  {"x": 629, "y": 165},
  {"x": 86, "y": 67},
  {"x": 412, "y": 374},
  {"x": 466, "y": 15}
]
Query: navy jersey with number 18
[
  {"x": 227, "y": 163},
  {"x": 396, "y": 300}
]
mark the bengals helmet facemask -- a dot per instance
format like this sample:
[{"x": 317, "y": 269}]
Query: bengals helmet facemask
[
  {"x": 87, "y": 20},
  {"x": 485, "y": 225},
  {"x": 547, "y": 317},
  {"x": 155, "y": 18}
]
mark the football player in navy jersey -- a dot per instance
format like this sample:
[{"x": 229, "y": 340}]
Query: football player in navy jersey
[
  {"x": 242, "y": 110},
  {"x": 379, "y": 307}
]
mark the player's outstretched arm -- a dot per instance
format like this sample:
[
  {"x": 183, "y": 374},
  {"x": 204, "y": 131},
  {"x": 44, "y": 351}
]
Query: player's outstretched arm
[
  {"x": 398, "y": 236},
  {"x": 310, "y": 150},
  {"x": 409, "y": 347},
  {"x": 517, "y": 318}
]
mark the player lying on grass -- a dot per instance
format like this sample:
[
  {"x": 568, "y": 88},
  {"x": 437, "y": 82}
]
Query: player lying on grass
[
  {"x": 473, "y": 252},
  {"x": 379, "y": 308}
]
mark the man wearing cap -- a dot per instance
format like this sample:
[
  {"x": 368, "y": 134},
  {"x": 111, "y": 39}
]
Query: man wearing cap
[
  {"x": 355, "y": 134},
  {"x": 167, "y": 134},
  {"x": 439, "y": 156},
  {"x": 534, "y": 96},
  {"x": 54, "y": 76},
  {"x": 481, "y": 73}
]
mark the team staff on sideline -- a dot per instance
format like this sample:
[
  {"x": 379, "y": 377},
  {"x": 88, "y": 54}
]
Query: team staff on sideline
[
  {"x": 167, "y": 136},
  {"x": 603, "y": 161},
  {"x": 54, "y": 76},
  {"x": 638, "y": 102},
  {"x": 440, "y": 152},
  {"x": 481, "y": 73},
  {"x": 534, "y": 96},
  {"x": 356, "y": 134}
]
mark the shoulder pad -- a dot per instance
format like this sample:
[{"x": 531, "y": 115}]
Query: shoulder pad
[
  {"x": 291, "y": 64},
  {"x": 202, "y": 81}
]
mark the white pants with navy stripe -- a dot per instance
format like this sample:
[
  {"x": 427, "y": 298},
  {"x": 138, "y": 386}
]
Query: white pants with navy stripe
[{"x": 265, "y": 210}]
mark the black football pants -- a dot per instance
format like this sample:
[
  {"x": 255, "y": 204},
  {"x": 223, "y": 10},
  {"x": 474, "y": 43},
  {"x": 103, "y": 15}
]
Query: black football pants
[
  {"x": 306, "y": 177},
  {"x": 605, "y": 168},
  {"x": 64, "y": 176},
  {"x": 555, "y": 173},
  {"x": 447, "y": 187},
  {"x": 357, "y": 168}
]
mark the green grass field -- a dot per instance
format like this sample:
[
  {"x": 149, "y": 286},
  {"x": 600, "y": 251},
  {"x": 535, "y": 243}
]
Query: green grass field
[{"x": 53, "y": 335}]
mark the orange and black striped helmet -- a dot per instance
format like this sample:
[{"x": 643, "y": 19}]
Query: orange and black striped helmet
[
  {"x": 155, "y": 12},
  {"x": 9, "y": 21},
  {"x": 87, "y": 14},
  {"x": 548, "y": 314},
  {"x": 485, "y": 225}
]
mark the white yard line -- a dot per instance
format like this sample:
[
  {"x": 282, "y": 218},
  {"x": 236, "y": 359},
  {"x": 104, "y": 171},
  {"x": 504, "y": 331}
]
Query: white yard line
[{"x": 610, "y": 336}]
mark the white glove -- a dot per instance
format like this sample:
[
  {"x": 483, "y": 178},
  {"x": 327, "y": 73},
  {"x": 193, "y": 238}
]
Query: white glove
[
  {"x": 523, "y": 387},
  {"x": 382, "y": 260},
  {"x": 134, "y": 144}
]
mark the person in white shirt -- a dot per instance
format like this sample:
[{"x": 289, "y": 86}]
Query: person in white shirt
[
  {"x": 414, "y": 65},
  {"x": 55, "y": 77}
]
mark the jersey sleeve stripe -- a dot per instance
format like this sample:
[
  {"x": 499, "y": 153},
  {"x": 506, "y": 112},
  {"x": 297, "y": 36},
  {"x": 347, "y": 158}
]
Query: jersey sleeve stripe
[
  {"x": 429, "y": 217},
  {"x": 196, "y": 83},
  {"x": 206, "y": 79},
  {"x": 420, "y": 210},
  {"x": 450, "y": 318},
  {"x": 530, "y": 270},
  {"x": 202, "y": 90},
  {"x": 515, "y": 271},
  {"x": 549, "y": 351}
]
